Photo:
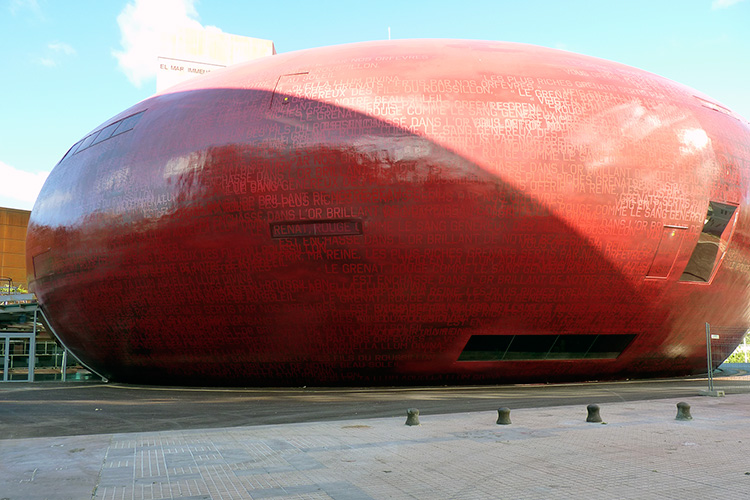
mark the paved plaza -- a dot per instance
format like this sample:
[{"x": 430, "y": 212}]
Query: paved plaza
[{"x": 640, "y": 451}]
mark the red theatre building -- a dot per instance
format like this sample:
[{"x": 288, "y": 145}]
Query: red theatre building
[{"x": 401, "y": 212}]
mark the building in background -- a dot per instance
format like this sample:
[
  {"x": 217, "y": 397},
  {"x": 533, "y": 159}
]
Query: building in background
[
  {"x": 191, "y": 52},
  {"x": 13, "y": 224}
]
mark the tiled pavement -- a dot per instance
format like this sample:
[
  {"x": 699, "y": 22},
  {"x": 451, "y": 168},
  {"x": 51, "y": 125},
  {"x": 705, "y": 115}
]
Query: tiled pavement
[{"x": 640, "y": 452}]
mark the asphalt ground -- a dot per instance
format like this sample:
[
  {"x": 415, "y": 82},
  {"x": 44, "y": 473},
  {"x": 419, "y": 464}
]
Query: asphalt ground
[{"x": 47, "y": 409}]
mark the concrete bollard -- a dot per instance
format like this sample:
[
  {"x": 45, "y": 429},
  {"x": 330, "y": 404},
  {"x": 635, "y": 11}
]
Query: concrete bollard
[
  {"x": 683, "y": 412},
  {"x": 593, "y": 414},
  {"x": 412, "y": 416},
  {"x": 503, "y": 416}
]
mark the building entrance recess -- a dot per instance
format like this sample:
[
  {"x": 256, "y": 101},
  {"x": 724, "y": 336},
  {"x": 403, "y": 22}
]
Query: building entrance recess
[{"x": 28, "y": 351}]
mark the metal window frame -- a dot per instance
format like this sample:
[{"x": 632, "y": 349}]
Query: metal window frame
[{"x": 6, "y": 337}]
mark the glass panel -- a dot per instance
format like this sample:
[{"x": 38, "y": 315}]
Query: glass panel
[
  {"x": 571, "y": 346},
  {"x": 47, "y": 361},
  {"x": 128, "y": 123},
  {"x": 666, "y": 253},
  {"x": 544, "y": 347},
  {"x": 529, "y": 347},
  {"x": 72, "y": 150},
  {"x": 712, "y": 243},
  {"x": 609, "y": 346},
  {"x": 18, "y": 367},
  {"x": 106, "y": 133},
  {"x": 87, "y": 141},
  {"x": 485, "y": 348}
]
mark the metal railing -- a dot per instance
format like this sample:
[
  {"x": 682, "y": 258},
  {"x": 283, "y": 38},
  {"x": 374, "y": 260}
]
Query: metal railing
[
  {"x": 721, "y": 342},
  {"x": 10, "y": 285}
]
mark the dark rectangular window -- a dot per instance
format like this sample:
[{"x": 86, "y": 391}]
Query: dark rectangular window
[
  {"x": 106, "y": 133},
  {"x": 72, "y": 150},
  {"x": 128, "y": 123},
  {"x": 608, "y": 346},
  {"x": 110, "y": 130},
  {"x": 544, "y": 347},
  {"x": 486, "y": 348},
  {"x": 529, "y": 347},
  {"x": 570, "y": 347},
  {"x": 88, "y": 141}
]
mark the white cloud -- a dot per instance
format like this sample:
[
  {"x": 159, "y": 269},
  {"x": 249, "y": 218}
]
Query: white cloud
[
  {"x": 19, "y": 189},
  {"x": 20, "y": 5},
  {"x": 47, "y": 61},
  {"x": 62, "y": 48},
  {"x": 723, "y": 4},
  {"x": 55, "y": 51},
  {"x": 142, "y": 23}
]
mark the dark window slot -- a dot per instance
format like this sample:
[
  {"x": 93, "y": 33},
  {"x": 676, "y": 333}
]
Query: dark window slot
[
  {"x": 529, "y": 347},
  {"x": 128, "y": 123},
  {"x": 544, "y": 347},
  {"x": 106, "y": 133},
  {"x": 72, "y": 150},
  {"x": 88, "y": 141},
  {"x": 111, "y": 130},
  {"x": 570, "y": 347},
  {"x": 486, "y": 348},
  {"x": 608, "y": 346}
]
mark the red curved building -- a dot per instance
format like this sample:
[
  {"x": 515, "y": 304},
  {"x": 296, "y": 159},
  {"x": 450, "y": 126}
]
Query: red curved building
[{"x": 400, "y": 212}]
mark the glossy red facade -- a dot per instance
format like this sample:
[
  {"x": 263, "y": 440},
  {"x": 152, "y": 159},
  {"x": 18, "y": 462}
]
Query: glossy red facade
[{"x": 400, "y": 212}]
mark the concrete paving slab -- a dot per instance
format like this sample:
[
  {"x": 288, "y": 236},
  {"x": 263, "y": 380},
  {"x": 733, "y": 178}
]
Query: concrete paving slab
[{"x": 52, "y": 468}]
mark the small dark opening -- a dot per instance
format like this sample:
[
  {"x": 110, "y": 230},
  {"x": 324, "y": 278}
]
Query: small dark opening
[{"x": 544, "y": 347}]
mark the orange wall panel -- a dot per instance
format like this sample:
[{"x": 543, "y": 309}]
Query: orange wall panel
[{"x": 13, "y": 224}]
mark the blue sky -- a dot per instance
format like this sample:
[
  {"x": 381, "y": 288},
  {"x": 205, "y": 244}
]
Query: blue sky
[{"x": 69, "y": 65}]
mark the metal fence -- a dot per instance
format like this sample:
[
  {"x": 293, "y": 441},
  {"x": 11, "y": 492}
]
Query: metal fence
[{"x": 721, "y": 342}]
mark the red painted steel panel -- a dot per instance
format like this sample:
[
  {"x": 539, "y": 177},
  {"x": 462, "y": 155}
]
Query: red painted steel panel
[{"x": 354, "y": 214}]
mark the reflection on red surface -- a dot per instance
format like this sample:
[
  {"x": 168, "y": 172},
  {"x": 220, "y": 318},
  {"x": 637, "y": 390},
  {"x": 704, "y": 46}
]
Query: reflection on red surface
[{"x": 400, "y": 212}]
